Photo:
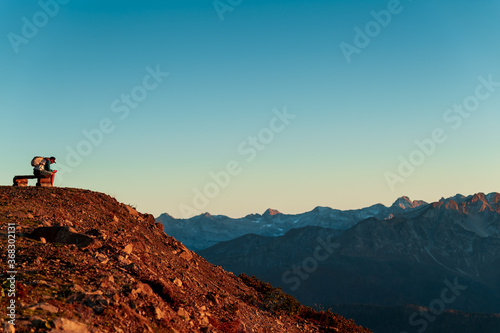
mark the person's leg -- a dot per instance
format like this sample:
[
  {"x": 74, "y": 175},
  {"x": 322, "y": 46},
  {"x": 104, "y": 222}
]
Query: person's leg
[
  {"x": 38, "y": 175},
  {"x": 45, "y": 174},
  {"x": 52, "y": 178}
]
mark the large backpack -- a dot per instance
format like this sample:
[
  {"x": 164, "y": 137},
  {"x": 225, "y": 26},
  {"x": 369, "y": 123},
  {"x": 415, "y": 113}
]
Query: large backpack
[{"x": 36, "y": 161}]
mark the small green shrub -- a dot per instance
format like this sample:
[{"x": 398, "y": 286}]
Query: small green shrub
[
  {"x": 273, "y": 299},
  {"x": 277, "y": 301}
]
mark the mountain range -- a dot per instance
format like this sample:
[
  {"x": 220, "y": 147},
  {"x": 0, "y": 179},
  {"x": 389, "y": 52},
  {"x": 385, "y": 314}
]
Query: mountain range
[
  {"x": 205, "y": 230},
  {"x": 439, "y": 256}
]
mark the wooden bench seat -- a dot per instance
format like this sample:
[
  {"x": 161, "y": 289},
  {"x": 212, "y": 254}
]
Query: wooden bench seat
[{"x": 23, "y": 181}]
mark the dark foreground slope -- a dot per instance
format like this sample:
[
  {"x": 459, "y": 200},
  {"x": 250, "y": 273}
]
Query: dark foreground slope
[{"x": 86, "y": 263}]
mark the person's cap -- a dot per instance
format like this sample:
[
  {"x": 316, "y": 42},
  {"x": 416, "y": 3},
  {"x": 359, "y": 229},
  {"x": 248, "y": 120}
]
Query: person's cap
[{"x": 53, "y": 158}]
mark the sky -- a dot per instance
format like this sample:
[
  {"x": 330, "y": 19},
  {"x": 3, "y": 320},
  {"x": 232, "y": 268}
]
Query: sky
[{"x": 235, "y": 106}]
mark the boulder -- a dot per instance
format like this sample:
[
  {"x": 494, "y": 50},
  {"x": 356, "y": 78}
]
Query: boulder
[
  {"x": 9, "y": 328},
  {"x": 63, "y": 235},
  {"x": 185, "y": 253},
  {"x": 150, "y": 219},
  {"x": 94, "y": 300},
  {"x": 143, "y": 288},
  {"x": 183, "y": 313},
  {"x": 132, "y": 211},
  {"x": 45, "y": 307},
  {"x": 128, "y": 249},
  {"x": 67, "y": 325}
]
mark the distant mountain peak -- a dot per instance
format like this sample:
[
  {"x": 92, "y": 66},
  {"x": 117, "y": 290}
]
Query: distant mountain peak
[
  {"x": 322, "y": 210},
  {"x": 271, "y": 212},
  {"x": 473, "y": 204},
  {"x": 404, "y": 203},
  {"x": 478, "y": 197},
  {"x": 493, "y": 197},
  {"x": 458, "y": 198}
]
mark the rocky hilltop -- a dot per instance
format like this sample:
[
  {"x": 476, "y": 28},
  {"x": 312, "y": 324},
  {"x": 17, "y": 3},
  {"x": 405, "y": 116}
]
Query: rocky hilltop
[{"x": 84, "y": 262}]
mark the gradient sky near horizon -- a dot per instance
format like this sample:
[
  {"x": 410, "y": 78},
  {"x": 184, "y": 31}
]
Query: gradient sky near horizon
[{"x": 353, "y": 120}]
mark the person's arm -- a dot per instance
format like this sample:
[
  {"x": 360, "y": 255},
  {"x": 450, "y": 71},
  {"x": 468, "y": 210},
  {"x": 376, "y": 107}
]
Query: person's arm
[{"x": 47, "y": 166}]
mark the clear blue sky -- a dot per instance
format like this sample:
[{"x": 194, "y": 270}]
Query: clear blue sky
[{"x": 70, "y": 68}]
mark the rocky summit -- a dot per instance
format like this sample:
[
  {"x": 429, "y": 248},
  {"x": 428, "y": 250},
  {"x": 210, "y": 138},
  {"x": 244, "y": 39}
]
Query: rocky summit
[{"x": 79, "y": 261}]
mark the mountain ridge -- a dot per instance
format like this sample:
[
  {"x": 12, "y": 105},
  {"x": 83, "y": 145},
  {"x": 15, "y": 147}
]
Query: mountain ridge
[
  {"x": 403, "y": 202},
  {"x": 204, "y": 230},
  {"x": 272, "y": 211},
  {"x": 391, "y": 262}
]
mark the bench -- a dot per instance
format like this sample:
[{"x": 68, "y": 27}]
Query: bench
[{"x": 23, "y": 181}]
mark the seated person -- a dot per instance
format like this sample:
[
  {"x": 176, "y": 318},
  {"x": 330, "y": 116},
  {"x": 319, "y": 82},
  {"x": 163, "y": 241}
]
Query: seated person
[{"x": 43, "y": 170}]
